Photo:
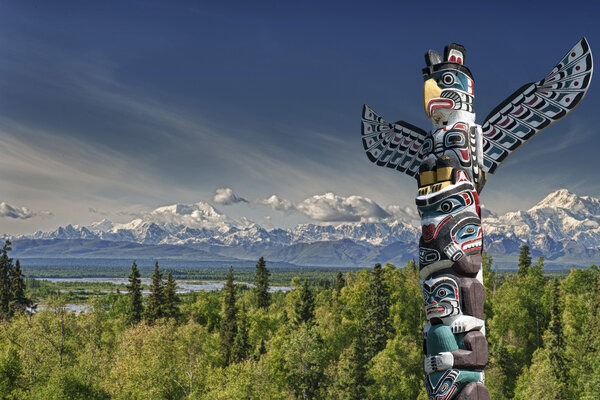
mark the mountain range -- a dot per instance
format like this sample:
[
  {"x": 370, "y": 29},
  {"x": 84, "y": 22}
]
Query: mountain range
[{"x": 564, "y": 228}]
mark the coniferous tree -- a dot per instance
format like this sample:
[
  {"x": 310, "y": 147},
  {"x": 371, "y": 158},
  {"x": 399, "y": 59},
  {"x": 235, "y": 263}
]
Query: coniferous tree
[
  {"x": 556, "y": 342},
  {"x": 155, "y": 304},
  {"x": 134, "y": 292},
  {"x": 376, "y": 325},
  {"x": 350, "y": 379},
  {"x": 229, "y": 321},
  {"x": 262, "y": 349},
  {"x": 241, "y": 347},
  {"x": 524, "y": 260},
  {"x": 489, "y": 282},
  {"x": 263, "y": 297},
  {"x": 340, "y": 282},
  {"x": 171, "y": 300},
  {"x": 18, "y": 301},
  {"x": 304, "y": 308},
  {"x": 5, "y": 283}
]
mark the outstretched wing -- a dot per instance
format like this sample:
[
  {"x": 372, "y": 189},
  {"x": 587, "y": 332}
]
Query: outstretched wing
[
  {"x": 394, "y": 145},
  {"x": 536, "y": 105}
]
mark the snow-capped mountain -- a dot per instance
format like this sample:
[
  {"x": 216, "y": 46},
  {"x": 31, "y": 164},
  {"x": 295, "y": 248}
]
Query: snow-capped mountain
[
  {"x": 562, "y": 225},
  {"x": 200, "y": 223}
]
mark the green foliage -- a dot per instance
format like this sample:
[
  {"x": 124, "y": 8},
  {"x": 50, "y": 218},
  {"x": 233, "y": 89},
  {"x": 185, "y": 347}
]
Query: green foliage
[
  {"x": 241, "y": 346},
  {"x": 11, "y": 373},
  {"x": 520, "y": 317},
  {"x": 397, "y": 371},
  {"x": 524, "y": 260},
  {"x": 304, "y": 308},
  {"x": 489, "y": 282},
  {"x": 340, "y": 282},
  {"x": 134, "y": 289},
  {"x": 228, "y": 330},
  {"x": 376, "y": 325},
  {"x": 155, "y": 305},
  {"x": 298, "y": 361},
  {"x": 170, "y": 298},
  {"x": 12, "y": 285},
  {"x": 5, "y": 268},
  {"x": 349, "y": 374},
  {"x": 261, "y": 281},
  {"x": 542, "y": 333}
]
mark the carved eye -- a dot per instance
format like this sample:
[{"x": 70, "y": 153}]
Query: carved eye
[
  {"x": 444, "y": 388},
  {"x": 442, "y": 293},
  {"x": 446, "y": 206},
  {"x": 469, "y": 230},
  {"x": 454, "y": 139},
  {"x": 448, "y": 79}
]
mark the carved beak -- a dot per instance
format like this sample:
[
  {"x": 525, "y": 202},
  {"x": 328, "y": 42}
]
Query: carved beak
[{"x": 430, "y": 92}]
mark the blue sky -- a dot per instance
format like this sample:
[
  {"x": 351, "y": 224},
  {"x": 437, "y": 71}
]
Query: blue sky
[{"x": 109, "y": 109}]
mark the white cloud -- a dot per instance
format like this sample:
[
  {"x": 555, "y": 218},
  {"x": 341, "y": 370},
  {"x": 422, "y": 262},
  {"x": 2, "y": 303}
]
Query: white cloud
[
  {"x": 225, "y": 196},
  {"x": 6, "y": 210},
  {"x": 277, "y": 203},
  {"x": 405, "y": 213},
  {"x": 330, "y": 207}
]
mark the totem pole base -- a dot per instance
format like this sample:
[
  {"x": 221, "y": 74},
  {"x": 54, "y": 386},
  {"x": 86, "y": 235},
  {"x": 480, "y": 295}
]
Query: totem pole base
[{"x": 474, "y": 391}]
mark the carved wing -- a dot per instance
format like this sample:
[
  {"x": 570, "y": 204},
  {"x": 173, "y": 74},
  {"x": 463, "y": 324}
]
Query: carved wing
[
  {"x": 536, "y": 105},
  {"x": 394, "y": 145}
]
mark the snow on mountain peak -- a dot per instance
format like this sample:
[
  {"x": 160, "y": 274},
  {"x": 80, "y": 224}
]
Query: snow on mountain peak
[
  {"x": 563, "y": 199},
  {"x": 199, "y": 216},
  {"x": 103, "y": 225}
]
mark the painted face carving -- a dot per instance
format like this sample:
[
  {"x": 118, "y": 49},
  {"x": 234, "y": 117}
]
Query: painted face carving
[
  {"x": 467, "y": 237},
  {"x": 450, "y": 224},
  {"x": 441, "y": 295},
  {"x": 451, "y": 141}
]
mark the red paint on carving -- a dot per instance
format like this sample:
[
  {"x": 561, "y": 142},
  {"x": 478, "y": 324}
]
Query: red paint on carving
[
  {"x": 567, "y": 99},
  {"x": 535, "y": 98},
  {"x": 459, "y": 60},
  {"x": 477, "y": 208},
  {"x": 452, "y": 58},
  {"x": 576, "y": 83},
  {"x": 430, "y": 232},
  {"x": 434, "y": 104},
  {"x": 577, "y": 68},
  {"x": 573, "y": 54}
]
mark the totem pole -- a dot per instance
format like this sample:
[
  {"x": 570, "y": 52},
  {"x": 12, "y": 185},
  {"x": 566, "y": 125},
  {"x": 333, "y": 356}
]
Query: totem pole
[{"x": 451, "y": 164}]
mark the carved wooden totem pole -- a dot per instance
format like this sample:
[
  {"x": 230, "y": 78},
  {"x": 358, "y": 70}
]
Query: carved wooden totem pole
[{"x": 450, "y": 164}]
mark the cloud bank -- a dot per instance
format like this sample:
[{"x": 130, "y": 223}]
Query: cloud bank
[
  {"x": 8, "y": 211},
  {"x": 226, "y": 197},
  {"x": 277, "y": 203},
  {"x": 330, "y": 207}
]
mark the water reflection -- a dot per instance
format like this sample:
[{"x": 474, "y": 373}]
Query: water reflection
[{"x": 181, "y": 286}]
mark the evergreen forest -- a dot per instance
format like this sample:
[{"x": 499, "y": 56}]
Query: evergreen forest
[{"x": 357, "y": 336}]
